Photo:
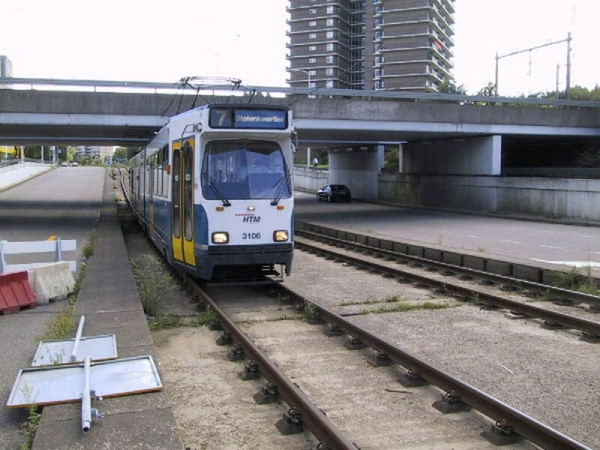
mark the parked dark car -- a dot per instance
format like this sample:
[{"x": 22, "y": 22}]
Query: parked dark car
[{"x": 334, "y": 192}]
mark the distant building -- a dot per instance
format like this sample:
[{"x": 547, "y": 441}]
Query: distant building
[
  {"x": 95, "y": 153},
  {"x": 370, "y": 44}
]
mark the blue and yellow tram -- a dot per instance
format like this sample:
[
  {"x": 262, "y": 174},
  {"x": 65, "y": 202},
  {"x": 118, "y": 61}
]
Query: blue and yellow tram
[{"x": 214, "y": 191}]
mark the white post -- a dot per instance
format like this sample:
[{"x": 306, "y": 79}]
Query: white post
[
  {"x": 86, "y": 397},
  {"x": 77, "y": 339}
]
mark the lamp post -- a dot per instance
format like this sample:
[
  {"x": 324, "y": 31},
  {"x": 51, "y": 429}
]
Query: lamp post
[{"x": 303, "y": 71}]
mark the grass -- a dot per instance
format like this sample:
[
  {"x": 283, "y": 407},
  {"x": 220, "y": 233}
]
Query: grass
[
  {"x": 61, "y": 327},
  {"x": 403, "y": 307},
  {"x": 29, "y": 427},
  {"x": 154, "y": 282},
  {"x": 574, "y": 280},
  {"x": 204, "y": 319}
]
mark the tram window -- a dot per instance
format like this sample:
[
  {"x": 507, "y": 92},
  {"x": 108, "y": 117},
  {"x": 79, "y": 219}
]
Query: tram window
[{"x": 244, "y": 169}]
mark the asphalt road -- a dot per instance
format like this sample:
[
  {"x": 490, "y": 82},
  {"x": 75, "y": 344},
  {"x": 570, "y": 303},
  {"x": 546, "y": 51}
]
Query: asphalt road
[
  {"x": 64, "y": 202},
  {"x": 548, "y": 244}
]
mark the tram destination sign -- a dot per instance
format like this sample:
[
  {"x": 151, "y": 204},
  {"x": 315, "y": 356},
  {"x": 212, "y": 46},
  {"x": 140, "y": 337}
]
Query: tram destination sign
[{"x": 248, "y": 118}]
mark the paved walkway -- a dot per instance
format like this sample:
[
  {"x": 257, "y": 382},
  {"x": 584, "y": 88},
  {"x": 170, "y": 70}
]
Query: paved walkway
[{"x": 111, "y": 305}]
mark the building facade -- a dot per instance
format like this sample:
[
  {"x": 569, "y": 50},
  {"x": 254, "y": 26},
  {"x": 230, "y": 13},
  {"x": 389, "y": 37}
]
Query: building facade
[{"x": 395, "y": 45}]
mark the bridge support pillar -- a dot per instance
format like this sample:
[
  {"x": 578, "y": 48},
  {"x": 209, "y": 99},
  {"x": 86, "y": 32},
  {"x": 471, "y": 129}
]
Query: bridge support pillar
[{"x": 459, "y": 156}]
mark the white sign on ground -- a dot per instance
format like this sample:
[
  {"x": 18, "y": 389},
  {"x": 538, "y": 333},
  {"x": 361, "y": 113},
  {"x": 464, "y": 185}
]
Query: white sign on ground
[{"x": 65, "y": 384}]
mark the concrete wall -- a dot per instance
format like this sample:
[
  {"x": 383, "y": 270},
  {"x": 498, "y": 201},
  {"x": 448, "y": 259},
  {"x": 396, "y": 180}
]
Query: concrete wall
[
  {"x": 310, "y": 179},
  {"x": 543, "y": 197},
  {"x": 357, "y": 169},
  {"x": 20, "y": 172}
]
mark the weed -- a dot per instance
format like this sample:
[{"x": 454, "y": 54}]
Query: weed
[
  {"x": 153, "y": 282},
  {"x": 164, "y": 322},
  {"x": 88, "y": 251},
  {"x": 204, "y": 319},
  {"x": 403, "y": 307},
  {"x": 481, "y": 249},
  {"x": 574, "y": 280},
  {"x": 28, "y": 429},
  {"x": 62, "y": 326},
  {"x": 309, "y": 311},
  {"x": 440, "y": 238},
  {"x": 369, "y": 230}
]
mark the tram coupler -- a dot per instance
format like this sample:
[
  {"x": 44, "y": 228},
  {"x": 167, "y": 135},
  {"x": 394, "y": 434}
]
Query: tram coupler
[
  {"x": 380, "y": 360},
  {"x": 412, "y": 378},
  {"x": 354, "y": 343},
  {"x": 236, "y": 353},
  {"x": 215, "y": 325},
  {"x": 291, "y": 423},
  {"x": 333, "y": 330},
  {"x": 251, "y": 371},
  {"x": 501, "y": 433},
  {"x": 224, "y": 339},
  {"x": 267, "y": 394},
  {"x": 450, "y": 403}
]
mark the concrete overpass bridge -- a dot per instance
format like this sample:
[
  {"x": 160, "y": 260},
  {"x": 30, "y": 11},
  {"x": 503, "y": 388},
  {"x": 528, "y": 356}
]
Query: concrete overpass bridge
[{"x": 446, "y": 140}]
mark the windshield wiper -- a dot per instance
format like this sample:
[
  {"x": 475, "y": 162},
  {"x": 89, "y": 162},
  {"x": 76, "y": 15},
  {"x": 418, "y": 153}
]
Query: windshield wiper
[
  {"x": 281, "y": 184},
  {"x": 218, "y": 193}
]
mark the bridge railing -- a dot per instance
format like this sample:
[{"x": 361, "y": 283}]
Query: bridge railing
[{"x": 235, "y": 87}]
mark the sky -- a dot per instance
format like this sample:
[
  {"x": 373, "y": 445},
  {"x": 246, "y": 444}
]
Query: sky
[{"x": 145, "y": 40}]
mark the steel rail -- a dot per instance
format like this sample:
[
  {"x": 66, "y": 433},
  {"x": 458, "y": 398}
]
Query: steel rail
[
  {"x": 520, "y": 423},
  {"x": 315, "y": 419},
  {"x": 569, "y": 294},
  {"x": 592, "y": 329}
]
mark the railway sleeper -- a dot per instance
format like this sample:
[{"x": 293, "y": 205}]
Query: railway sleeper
[
  {"x": 450, "y": 403},
  {"x": 380, "y": 359},
  {"x": 333, "y": 330},
  {"x": 354, "y": 343},
  {"x": 224, "y": 339},
  {"x": 251, "y": 371},
  {"x": 290, "y": 423},
  {"x": 590, "y": 337},
  {"x": 412, "y": 378},
  {"x": 501, "y": 433},
  {"x": 236, "y": 353},
  {"x": 268, "y": 394}
]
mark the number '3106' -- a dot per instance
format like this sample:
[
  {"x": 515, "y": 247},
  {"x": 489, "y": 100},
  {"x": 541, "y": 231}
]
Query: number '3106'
[{"x": 246, "y": 236}]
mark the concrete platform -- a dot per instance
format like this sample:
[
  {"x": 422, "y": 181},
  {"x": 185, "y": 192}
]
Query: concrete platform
[{"x": 110, "y": 302}]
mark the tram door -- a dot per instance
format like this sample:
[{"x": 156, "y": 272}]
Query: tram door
[{"x": 182, "y": 234}]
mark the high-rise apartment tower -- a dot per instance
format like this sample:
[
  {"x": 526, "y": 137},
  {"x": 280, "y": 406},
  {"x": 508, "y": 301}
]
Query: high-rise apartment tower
[{"x": 370, "y": 44}]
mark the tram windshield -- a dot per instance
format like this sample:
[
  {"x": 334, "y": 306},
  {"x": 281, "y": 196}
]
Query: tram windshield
[{"x": 248, "y": 169}]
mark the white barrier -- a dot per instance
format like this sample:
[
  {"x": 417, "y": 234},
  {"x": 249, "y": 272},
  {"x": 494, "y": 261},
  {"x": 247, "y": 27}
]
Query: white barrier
[{"x": 52, "y": 281}]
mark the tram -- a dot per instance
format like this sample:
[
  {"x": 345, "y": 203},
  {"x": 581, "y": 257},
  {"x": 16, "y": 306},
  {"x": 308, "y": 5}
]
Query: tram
[{"x": 213, "y": 190}]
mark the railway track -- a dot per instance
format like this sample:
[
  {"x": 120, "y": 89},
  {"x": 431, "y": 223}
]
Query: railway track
[
  {"x": 531, "y": 288},
  {"x": 421, "y": 271},
  {"x": 508, "y": 424}
]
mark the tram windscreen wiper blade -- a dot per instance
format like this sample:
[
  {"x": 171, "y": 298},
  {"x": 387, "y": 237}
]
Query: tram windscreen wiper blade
[
  {"x": 213, "y": 186},
  {"x": 280, "y": 185}
]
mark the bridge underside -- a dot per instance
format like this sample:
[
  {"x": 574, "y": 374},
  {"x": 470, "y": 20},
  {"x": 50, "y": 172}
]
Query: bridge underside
[{"x": 77, "y": 129}]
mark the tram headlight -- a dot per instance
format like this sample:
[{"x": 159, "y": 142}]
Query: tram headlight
[
  {"x": 220, "y": 237},
  {"x": 281, "y": 236}
]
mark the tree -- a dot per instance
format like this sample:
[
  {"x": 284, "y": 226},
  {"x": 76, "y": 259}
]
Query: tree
[
  {"x": 450, "y": 87},
  {"x": 71, "y": 153},
  {"x": 121, "y": 153}
]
